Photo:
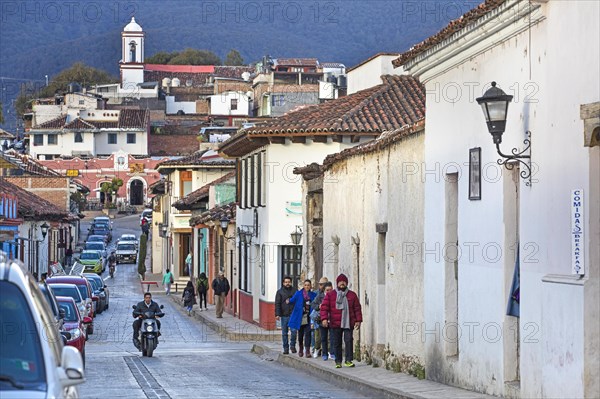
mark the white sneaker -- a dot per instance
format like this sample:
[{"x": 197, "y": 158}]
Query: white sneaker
[{"x": 315, "y": 354}]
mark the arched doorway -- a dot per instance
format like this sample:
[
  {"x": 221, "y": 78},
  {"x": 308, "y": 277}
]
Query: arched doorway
[{"x": 136, "y": 192}]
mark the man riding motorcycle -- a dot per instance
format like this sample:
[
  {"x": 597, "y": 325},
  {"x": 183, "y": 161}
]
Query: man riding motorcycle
[
  {"x": 112, "y": 261},
  {"x": 147, "y": 305}
]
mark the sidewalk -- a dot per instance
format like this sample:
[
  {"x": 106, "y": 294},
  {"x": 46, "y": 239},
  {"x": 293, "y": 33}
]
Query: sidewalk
[{"x": 365, "y": 379}]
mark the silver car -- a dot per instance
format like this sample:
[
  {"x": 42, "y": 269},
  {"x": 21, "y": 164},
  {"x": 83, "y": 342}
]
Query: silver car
[{"x": 36, "y": 364}]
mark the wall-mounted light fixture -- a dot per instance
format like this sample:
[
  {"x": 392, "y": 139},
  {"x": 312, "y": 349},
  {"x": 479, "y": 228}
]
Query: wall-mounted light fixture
[
  {"x": 494, "y": 104},
  {"x": 296, "y": 235},
  {"x": 224, "y": 223},
  {"x": 44, "y": 227}
]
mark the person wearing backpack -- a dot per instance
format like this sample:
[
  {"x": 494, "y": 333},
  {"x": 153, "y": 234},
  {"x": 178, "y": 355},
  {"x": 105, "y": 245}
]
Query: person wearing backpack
[
  {"x": 167, "y": 281},
  {"x": 202, "y": 289},
  {"x": 189, "y": 297}
]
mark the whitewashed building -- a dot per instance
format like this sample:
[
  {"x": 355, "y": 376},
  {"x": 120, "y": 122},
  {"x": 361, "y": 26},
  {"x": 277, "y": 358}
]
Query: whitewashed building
[
  {"x": 270, "y": 194},
  {"x": 368, "y": 72},
  {"x": 489, "y": 230}
]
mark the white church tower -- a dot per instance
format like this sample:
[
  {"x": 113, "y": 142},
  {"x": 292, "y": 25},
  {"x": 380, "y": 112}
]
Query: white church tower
[{"x": 132, "y": 58}]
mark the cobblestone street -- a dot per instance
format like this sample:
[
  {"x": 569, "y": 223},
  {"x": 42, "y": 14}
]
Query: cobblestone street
[{"x": 190, "y": 361}]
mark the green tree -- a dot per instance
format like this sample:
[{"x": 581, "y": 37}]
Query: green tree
[
  {"x": 191, "y": 56},
  {"x": 161, "y": 58},
  {"x": 142, "y": 255},
  {"x": 111, "y": 189},
  {"x": 78, "y": 73},
  {"x": 234, "y": 58}
]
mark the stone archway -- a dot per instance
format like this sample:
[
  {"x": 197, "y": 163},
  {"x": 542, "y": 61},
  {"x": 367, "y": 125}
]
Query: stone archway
[{"x": 136, "y": 192}]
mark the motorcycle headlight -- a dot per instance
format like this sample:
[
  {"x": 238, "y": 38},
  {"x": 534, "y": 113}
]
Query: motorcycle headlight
[{"x": 150, "y": 328}]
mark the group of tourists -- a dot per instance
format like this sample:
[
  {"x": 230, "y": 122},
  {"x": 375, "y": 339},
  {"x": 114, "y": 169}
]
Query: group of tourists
[{"x": 321, "y": 321}]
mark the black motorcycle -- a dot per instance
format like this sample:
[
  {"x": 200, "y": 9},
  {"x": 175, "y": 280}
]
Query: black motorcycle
[{"x": 149, "y": 332}]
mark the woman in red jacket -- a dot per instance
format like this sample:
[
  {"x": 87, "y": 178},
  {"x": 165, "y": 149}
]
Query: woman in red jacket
[{"x": 340, "y": 311}]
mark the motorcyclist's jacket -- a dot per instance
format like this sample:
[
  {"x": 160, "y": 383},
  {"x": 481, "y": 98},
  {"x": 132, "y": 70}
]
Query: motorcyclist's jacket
[{"x": 142, "y": 308}]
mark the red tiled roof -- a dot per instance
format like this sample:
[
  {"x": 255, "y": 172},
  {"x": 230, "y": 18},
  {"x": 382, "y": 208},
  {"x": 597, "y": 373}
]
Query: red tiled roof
[
  {"x": 79, "y": 123},
  {"x": 33, "y": 207},
  {"x": 398, "y": 102},
  {"x": 453, "y": 27},
  {"x": 56, "y": 123},
  {"x": 28, "y": 164},
  {"x": 297, "y": 62},
  {"x": 383, "y": 141},
  {"x": 201, "y": 193},
  {"x": 216, "y": 214},
  {"x": 6, "y": 135},
  {"x": 198, "y": 159},
  {"x": 134, "y": 119}
]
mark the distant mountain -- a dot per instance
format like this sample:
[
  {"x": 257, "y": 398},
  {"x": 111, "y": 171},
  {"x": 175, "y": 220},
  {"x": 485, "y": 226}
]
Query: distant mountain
[{"x": 42, "y": 38}]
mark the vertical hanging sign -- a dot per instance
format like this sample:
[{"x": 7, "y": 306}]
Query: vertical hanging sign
[{"x": 577, "y": 233}]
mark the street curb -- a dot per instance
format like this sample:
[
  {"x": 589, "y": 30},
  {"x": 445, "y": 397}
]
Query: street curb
[
  {"x": 328, "y": 374},
  {"x": 233, "y": 336}
]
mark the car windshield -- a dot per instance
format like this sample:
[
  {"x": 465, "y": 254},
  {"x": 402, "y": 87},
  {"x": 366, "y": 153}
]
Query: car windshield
[
  {"x": 66, "y": 291},
  {"x": 94, "y": 246},
  {"x": 101, "y": 225},
  {"x": 89, "y": 256},
  {"x": 70, "y": 311},
  {"x": 96, "y": 239},
  {"x": 21, "y": 358},
  {"x": 100, "y": 231},
  {"x": 127, "y": 237},
  {"x": 126, "y": 247}
]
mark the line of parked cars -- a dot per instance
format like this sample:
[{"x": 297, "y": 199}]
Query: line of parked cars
[{"x": 38, "y": 354}]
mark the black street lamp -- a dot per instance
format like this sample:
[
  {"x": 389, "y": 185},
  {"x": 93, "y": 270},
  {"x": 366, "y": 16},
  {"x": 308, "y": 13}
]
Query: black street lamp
[
  {"x": 44, "y": 227},
  {"x": 296, "y": 235},
  {"x": 224, "y": 223},
  {"x": 494, "y": 104}
]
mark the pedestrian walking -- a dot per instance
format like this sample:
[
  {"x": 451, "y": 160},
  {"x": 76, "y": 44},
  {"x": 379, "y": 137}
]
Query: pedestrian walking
[
  {"x": 314, "y": 313},
  {"x": 189, "y": 297},
  {"x": 188, "y": 264},
  {"x": 326, "y": 339},
  {"x": 167, "y": 281},
  {"x": 300, "y": 317},
  {"x": 202, "y": 289},
  {"x": 220, "y": 287},
  {"x": 340, "y": 311},
  {"x": 68, "y": 256},
  {"x": 283, "y": 311}
]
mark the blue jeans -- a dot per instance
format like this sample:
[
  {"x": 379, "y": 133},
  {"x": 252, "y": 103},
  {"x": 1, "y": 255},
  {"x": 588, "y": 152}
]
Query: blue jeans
[{"x": 284, "y": 333}]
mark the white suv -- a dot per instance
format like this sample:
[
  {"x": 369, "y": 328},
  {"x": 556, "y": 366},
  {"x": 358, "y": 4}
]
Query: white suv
[{"x": 35, "y": 364}]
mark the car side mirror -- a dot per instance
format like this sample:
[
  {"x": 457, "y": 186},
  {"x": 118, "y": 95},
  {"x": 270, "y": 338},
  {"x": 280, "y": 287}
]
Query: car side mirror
[
  {"x": 72, "y": 363},
  {"x": 66, "y": 335},
  {"x": 162, "y": 306}
]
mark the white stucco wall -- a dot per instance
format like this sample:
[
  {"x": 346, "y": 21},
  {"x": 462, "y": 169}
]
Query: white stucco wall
[
  {"x": 140, "y": 147},
  {"x": 220, "y": 104},
  {"x": 359, "y": 192},
  {"x": 369, "y": 74},
  {"x": 548, "y": 91},
  {"x": 189, "y": 107}
]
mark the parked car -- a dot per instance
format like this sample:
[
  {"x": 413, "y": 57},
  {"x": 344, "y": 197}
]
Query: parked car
[
  {"x": 85, "y": 289},
  {"x": 96, "y": 238},
  {"x": 100, "y": 290},
  {"x": 103, "y": 219},
  {"x": 101, "y": 231},
  {"x": 51, "y": 299},
  {"x": 96, "y": 246},
  {"x": 74, "y": 324},
  {"x": 126, "y": 252},
  {"x": 72, "y": 291},
  {"x": 92, "y": 261},
  {"x": 34, "y": 364}
]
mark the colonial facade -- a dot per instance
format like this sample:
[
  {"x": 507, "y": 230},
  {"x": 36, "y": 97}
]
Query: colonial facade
[
  {"x": 490, "y": 230},
  {"x": 270, "y": 195}
]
